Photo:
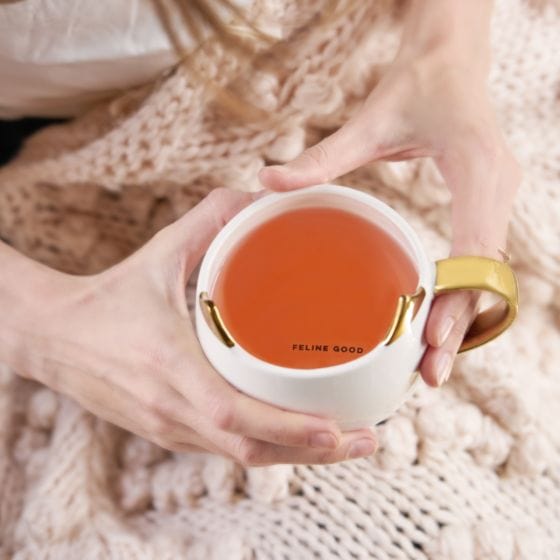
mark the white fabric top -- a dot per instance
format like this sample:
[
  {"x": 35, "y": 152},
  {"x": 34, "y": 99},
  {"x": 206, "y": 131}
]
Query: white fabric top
[{"x": 57, "y": 57}]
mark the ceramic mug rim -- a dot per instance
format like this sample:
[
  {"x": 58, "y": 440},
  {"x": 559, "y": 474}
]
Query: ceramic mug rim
[{"x": 420, "y": 258}]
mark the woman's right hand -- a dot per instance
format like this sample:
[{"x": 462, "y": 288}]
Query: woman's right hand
[{"x": 122, "y": 344}]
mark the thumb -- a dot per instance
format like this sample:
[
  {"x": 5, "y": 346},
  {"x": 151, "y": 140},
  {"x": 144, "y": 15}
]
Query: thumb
[
  {"x": 349, "y": 147},
  {"x": 197, "y": 228}
]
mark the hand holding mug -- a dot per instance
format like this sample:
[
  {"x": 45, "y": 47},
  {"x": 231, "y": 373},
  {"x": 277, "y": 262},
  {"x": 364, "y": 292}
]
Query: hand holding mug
[
  {"x": 428, "y": 106},
  {"x": 121, "y": 343}
]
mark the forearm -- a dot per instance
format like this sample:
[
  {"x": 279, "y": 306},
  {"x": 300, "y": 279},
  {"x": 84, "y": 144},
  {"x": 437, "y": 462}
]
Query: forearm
[{"x": 458, "y": 30}]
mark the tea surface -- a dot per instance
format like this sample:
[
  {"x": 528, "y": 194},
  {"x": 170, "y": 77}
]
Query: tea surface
[{"x": 313, "y": 287}]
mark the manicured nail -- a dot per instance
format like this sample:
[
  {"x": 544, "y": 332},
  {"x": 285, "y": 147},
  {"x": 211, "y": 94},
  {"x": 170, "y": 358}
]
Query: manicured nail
[
  {"x": 445, "y": 330},
  {"x": 444, "y": 368},
  {"x": 323, "y": 439},
  {"x": 361, "y": 448}
]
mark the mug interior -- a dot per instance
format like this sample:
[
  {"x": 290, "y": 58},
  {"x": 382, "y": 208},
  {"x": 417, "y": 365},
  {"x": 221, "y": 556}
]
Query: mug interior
[
  {"x": 365, "y": 206},
  {"x": 334, "y": 196}
]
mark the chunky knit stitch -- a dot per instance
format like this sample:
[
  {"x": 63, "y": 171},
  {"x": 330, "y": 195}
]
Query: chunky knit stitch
[{"x": 469, "y": 471}]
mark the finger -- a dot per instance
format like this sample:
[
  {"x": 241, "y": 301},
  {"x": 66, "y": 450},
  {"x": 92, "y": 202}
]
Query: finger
[
  {"x": 194, "y": 443},
  {"x": 168, "y": 434},
  {"x": 179, "y": 447},
  {"x": 437, "y": 362},
  {"x": 221, "y": 406},
  {"x": 445, "y": 312},
  {"x": 247, "y": 449},
  {"x": 251, "y": 452},
  {"x": 482, "y": 177},
  {"x": 168, "y": 441},
  {"x": 349, "y": 147}
]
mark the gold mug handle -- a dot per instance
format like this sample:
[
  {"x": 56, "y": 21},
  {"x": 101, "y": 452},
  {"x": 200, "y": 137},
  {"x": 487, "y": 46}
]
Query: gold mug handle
[{"x": 481, "y": 273}]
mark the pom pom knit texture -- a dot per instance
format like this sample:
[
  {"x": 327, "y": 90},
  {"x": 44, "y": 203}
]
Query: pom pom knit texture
[{"x": 470, "y": 471}]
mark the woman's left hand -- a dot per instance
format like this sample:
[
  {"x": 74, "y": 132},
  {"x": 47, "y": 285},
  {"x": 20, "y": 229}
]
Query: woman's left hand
[{"x": 430, "y": 106}]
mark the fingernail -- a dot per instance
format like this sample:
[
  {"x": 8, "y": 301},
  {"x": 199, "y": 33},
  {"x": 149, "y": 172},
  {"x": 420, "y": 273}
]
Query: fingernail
[
  {"x": 445, "y": 330},
  {"x": 323, "y": 439},
  {"x": 444, "y": 368},
  {"x": 361, "y": 448}
]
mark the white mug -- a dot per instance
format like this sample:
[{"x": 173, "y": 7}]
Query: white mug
[{"x": 369, "y": 388}]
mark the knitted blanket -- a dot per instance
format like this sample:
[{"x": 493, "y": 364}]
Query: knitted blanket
[{"x": 468, "y": 471}]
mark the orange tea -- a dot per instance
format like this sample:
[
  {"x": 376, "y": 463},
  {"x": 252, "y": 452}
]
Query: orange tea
[{"x": 313, "y": 287}]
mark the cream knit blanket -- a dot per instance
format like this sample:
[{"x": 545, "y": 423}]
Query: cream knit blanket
[{"x": 468, "y": 471}]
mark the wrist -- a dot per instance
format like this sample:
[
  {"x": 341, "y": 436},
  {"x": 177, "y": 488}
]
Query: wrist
[
  {"x": 29, "y": 292},
  {"x": 449, "y": 32}
]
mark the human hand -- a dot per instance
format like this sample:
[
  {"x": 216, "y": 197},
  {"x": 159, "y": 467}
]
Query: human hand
[
  {"x": 121, "y": 343},
  {"x": 434, "y": 105}
]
